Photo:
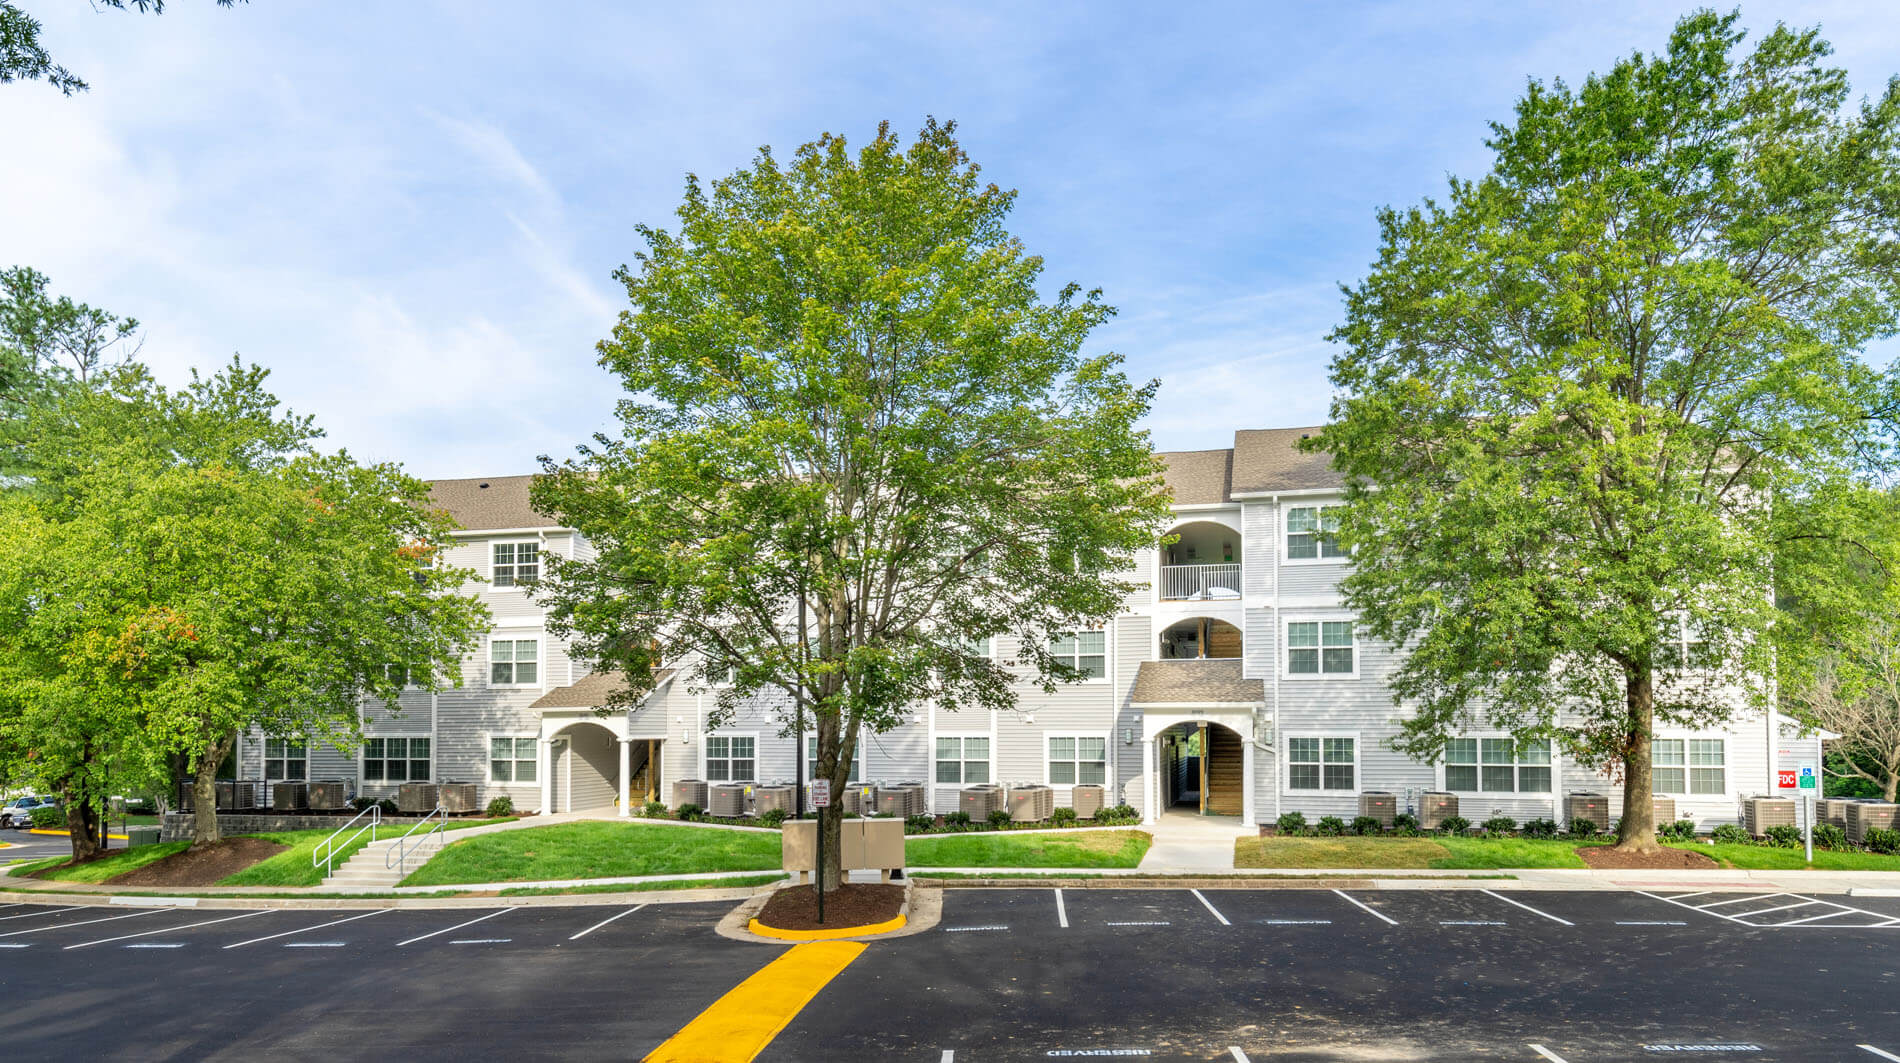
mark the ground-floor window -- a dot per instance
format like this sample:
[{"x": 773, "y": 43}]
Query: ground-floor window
[
  {"x": 1077, "y": 759},
  {"x": 1689, "y": 766},
  {"x": 402, "y": 759},
  {"x": 730, "y": 758},
  {"x": 511, "y": 760},
  {"x": 1497, "y": 765},
  {"x": 1320, "y": 763},
  {"x": 286, "y": 758},
  {"x": 811, "y": 759},
  {"x": 963, "y": 760}
]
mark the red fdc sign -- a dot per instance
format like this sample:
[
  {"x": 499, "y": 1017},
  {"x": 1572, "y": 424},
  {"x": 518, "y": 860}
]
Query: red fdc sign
[{"x": 1786, "y": 779}]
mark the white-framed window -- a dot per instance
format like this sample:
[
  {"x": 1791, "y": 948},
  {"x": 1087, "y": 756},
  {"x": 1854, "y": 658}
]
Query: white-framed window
[
  {"x": 405, "y": 676},
  {"x": 811, "y": 759},
  {"x": 514, "y": 662},
  {"x": 405, "y": 758},
  {"x": 1077, "y": 759},
  {"x": 286, "y": 759},
  {"x": 511, "y": 759},
  {"x": 963, "y": 760},
  {"x": 1321, "y": 647},
  {"x": 1688, "y": 766},
  {"x": 1309, "y": 534},
  {"x": 1497, "y": 765},
  {"x": 731, "y": 758},
  {"x": 1086, "y": 651},
  {"x": 975, "y": 647},
  {"x": 1322, "y": 763},
  {"x": 516, "y": 564},
  {"x": 1684, "y": 643}
]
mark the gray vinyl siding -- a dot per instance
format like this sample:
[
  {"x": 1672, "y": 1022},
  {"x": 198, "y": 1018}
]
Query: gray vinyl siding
[
  {"x": 1256, "y": 551},
  {"x": 1310, "y": 581},
  {"x": 1134, "y": 643}
]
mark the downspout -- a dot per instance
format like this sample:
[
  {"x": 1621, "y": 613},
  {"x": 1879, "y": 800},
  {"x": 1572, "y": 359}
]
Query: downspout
[{"x": 1273, "y": 668}]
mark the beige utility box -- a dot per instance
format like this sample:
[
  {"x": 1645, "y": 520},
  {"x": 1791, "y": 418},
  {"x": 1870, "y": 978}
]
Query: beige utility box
[{"x": 866, "y": 844}]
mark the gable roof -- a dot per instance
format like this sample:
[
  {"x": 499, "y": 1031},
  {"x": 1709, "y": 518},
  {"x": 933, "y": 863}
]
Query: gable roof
[
  {"x": 489, "y": 503},
  {"x": 1199, "y": 477},
  {"x": 592, "y": 691},
  {"x": 1261, "y": 461},
  {"x": 1204, "y": 682}
]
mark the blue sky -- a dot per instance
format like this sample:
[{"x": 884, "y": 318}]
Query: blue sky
[{"x": 410, "y": 212}]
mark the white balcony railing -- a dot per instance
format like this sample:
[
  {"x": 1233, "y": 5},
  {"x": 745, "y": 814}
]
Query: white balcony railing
[{"x": 1180, "y": 583}]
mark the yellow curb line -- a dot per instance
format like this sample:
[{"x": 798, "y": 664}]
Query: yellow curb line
[
  {"x": 826, "y": 935},
  {"x": 739, "y": 1025},
  {"x": 68, "y": 834}
]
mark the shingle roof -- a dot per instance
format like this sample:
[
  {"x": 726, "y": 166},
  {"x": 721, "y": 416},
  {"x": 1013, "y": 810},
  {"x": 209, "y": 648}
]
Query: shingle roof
[
  {"x": 490, "y": 502},
  {"x": 1204, "y": 682},
  {"x": 1266, "y": 459},
  {"x": 1198, "y": 477},
  {"x": 592, "y": 691}
]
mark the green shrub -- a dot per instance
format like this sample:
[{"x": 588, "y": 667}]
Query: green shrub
[
  {"x": 848, "y": 814},
  {"x": 656, "y": 810},
  {"x": 959, "y": 820},
  {"x": 501, "y": 806},
  {"x": 1062, "y": 817},
  {"x": 999, "y": 819},
  {"x": 1783, "y": 837},
  {"x": 773, "y": 817},
  {"x": 1499, "y": 826},
  {"x": 1454, "y": 825},
  {"x": 1682, "y": 830},
  {"x": 1291, "y": 823},
  {"x": 1125, "y": 811},
  {"x": 1405, "y": 825},
  {"x": 1331, "y": 826},
  {"x": 1367, "y": 825},
  {"x": 1829, "y": 836},
  {"x": 1882, "y": 840},
  {"x": 46, "y": 817},
  {"x": 690, "y": 812},
  {"x": 919, "y": 823},
  {"x": 1539, "y": 828},
  {"x": 1731, "y": 834},
  {"x": 1583, "y": 827}
]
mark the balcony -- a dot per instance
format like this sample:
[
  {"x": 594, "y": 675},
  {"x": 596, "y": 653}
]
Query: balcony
[{"x": 1199, "y": 583}]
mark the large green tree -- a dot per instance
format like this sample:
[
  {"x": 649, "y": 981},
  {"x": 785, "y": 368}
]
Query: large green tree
[
  {"x": 849, "y": 402},
  {"x": 185, "y": 565},
  {"x": 1574, "y": 395},
  {"x": 24, "y": 58}
]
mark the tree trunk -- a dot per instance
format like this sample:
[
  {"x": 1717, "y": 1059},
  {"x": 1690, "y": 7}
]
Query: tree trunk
[
  {"x": 1637, "y": 830},
  {"x": 82, "y": 826},
  {"x": 832, "y": 756},
  {"x": 204, "y": 791}
]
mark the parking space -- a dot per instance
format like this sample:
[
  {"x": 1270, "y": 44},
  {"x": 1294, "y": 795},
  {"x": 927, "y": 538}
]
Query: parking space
[
  {"x": 1775, "y": 911},
  {"x": 1131, "y": 910}
]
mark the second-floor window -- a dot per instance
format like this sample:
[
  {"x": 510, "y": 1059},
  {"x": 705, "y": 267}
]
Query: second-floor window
[
  {"x": 729, "y": 758},
  {"x": 1309, "y": 533},
  {"x": 1320, "y": 647},
  {"x": 1086, "y": 651},
  {"x": 286, "y": 758},
  {"x": 515, "y": 564},
  {"x": 514, "y": 662}
]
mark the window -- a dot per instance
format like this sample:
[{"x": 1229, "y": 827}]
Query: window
[
  {"x": 1315, "y": 647},
  {"x": 515, "y": 564},
  {"x": 1684, "y": 643},
  {"x": 975, "y": 647},
  {"x": 403, "y": 675},
  {"x": 1318, "y": 763},
  {"x": 729, "y": 759},
  {"x": 1692, "y": 766},
  {"x": 1497, "y": 765},
  {"x": 1309, "y": 533},
  {"x": 511, "y": 760},
  {"x": 404, "y": 759},
  {"x": 285, "y": 758},
  {"x": 514, "y": 662},
  {"x": 1087, "y": 651},
  {"x": 811, "y": 759},
  {"x": 1076, "y": 759},
  {"x": 963, "y": 761}
]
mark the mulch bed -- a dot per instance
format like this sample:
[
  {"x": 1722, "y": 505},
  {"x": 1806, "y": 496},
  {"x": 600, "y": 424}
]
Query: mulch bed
[
  {"x": 205, "y": 865},
  {"x": 1607, "y": 856},
  {"x": 852, "y": 904}
]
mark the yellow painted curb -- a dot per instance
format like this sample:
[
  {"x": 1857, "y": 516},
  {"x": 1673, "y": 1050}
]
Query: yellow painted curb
[
  {"x": 740, "y": 1024},
  {"x": 68, "y": 834},
  {"x": 826, "y": 935}
]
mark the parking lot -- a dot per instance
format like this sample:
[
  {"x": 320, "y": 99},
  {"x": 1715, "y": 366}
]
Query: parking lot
[{"x": 1242, "y": 974}]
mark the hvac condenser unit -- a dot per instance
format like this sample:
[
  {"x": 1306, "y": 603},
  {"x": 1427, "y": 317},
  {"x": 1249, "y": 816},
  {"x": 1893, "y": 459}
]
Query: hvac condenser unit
[
  {"x": 893, "y": 800},
  {"x": 458, "y": 797},
  {"x": 418, "y": 797},
  {"x": 1086, "y": 799},
  {"x": 979, "y": 801},
  {"x": 1664, "y": 809},
  {"x": 1761, "y": 813},
  {"x": 778, "y": 795},
  {"x": 1832, "y": 810},
  {"x": 1435, "y": 807},
  {"x": 689, "y": 792},
  {"x": 1587, "y": 805},
  {"x": 227, "y": 795},
  {"x": 1863, "y": 816},
  {"x": 328, "y": 795},
  {"x": 728, "y": 799},
  {"x": 289, "y": 796},
  {"x": 919, "y": 797},
  {"x": 1031, "y": 803},
  {"x": 1380, "y": 805}
]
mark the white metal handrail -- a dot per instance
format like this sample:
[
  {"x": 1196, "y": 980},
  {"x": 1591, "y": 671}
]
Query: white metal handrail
[
  {"x": 399, "y": 853},
  {"x": 1189, "y": 582},
  {"x": 326, "y": 849}
]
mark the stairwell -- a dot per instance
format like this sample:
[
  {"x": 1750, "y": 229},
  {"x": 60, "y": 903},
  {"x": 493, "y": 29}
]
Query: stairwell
[{"x": 368, "y": 868}]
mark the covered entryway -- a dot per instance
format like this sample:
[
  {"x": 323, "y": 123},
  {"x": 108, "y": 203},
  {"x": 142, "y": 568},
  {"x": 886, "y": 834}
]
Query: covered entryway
[
  {"x": 1203, "y": 768},
  {"x": 1197, "y": 730},
  {"x": 586, "y": 770},
  {"x": 597, "y": 762}
]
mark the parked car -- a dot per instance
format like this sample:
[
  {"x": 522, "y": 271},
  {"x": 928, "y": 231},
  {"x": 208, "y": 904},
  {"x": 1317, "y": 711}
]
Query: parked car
[{"x": 19, "y": 811}]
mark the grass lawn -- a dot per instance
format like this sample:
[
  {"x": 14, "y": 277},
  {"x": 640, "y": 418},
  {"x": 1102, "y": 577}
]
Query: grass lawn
[
  {"x": 292, "y": 866},
  {"x": 597, "y": 850},
  {"x": 1762, "y": 857},
  {"x": 649, "y": 887},
  {"x": 117, "y": 863},
  {"x": 1098, "y": 848},
  {"x": 1441, "y": 853}
]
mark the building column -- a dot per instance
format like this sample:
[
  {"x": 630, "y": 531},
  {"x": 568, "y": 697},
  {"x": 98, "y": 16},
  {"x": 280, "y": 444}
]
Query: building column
[
  {"x": 542, "y": 769},
  {"x": 1148, "y": 787},
  {"x": 626, "y": 777},
  {"x": 1246, "y": 774}
]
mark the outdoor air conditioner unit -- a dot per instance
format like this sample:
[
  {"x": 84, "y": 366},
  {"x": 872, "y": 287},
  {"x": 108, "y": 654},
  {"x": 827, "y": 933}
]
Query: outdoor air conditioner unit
[
  {"x": 1435, "y": 807},
  {"x": 1663, "y": 809},
  {"x": 893, "y": 799},
  {"x": 980, "y": 800},
  {"x": 1379, "y": 805},
  {"x": 1587, "y": 805},
  {"x": 289, "y": 796},
  {"x": 689, "y": 792},
  {"x": 1087, "y": 800},
  {"x": 227, "y": 794},
  {"x": 1832, "y": 810},
  {"x": 782, "y": 795},
  {"x": 418, "y": 797},
  {"x": 328, "y": 795},
  {"x": 1863, "y": 816},
  {"x": 458, "y": 797},
  {"x": 1761, "y": 812},
  {"x": 1026, "y": 803},
  {"x": 728, "y": 799}
]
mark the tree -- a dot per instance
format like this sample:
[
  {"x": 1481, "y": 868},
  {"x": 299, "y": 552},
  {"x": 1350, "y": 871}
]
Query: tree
[
  {"x": 24, "y": 58},
  {"x": 1574, "y": 396},
  {"x": 849, "y": 405},
  {"x": 186, "y": 566},
  {"x": 1856, "y": 694}
]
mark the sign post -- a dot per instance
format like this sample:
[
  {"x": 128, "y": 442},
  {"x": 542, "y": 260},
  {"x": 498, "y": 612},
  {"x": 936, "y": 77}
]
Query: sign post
[
  {"x": 820, "y": 800},
  {"x": 1810, "y": 789}
]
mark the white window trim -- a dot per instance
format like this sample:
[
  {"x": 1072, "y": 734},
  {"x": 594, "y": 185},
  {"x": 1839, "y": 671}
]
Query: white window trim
[
  {"x": 1285, "y": 557},
  {"x": 362, "y": 756},
  {"x": 1516, "y": 765},
  {"x": 540, "y": 548},
  {"x": 488, "y": 758},
  {"x": 705, "y": 750},
  {"x": 540, "y": 662},
  {"x": 1686, "y": 793},
  {"x": 264, "y": 758},
  {"x": 990, "y": 760},
  {"x": 811, "y": 757},
  {"x": 1286, "y": 648},
  {"x": 1078, "y": 655},
  {"x": 1286, "y": 770},
  {"x": 1108, "y": 758}
]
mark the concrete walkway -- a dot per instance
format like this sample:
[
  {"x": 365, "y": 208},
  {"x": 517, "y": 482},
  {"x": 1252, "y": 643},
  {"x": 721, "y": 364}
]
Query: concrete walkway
[{"x": 1188, "y": 841}]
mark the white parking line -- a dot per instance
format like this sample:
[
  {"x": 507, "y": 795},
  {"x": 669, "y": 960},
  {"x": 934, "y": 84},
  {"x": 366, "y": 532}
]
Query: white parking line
[
  {"x": 1296, "y": 922},
  {"x": 949, "y": 1056},
  {"x": 604, "y": 922},
  {"x": 1210, "y": 907},
  {"x": 1472, "y": 922},
  {"x": 314, "y": 944},
  {"x": 49, "y": 911},
  {"x": 1736, "y": 900},
  {"x": 480, "y": 941},
  {"x": 1783, "y": 908},
  {"x": 1691, "y": 907},
  {"x": 1161, "y": 923},
  {"x": 85, "y": 922},
  {"x": 14, "y": 945},
  {"x": 458, "y": 926},
  {"x": 1548, "y": 1054},
  {"x": 307, "y": 929},
  {"x": 170, "y": 929},
  {"x": 1062, "y": 911},
  {"x": 1833, "y": 915},
  {"x": 1239, "y": 1056},
  {"x": 1878, "y": 1052},
  {"x": 1528, "y": 908},
  {"x": 1356, "y": 902},
  {"x": 1650, "y": 922},
  {"x": 966, "y": 929},
  {"x": 15, "y": 904},
  {"x": 157, "y": 945}
]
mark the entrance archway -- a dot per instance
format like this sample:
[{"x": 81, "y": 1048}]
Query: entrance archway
[
  {"x": 1203, "y": 768},
  {"x": 585, "y": 770}
]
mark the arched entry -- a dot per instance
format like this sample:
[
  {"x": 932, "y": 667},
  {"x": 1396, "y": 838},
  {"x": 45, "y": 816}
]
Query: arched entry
[
  {"x": 1200, "y": 638},
  {"x": 1203, "y": 768},
  {"x": 583, "y": 768}
]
